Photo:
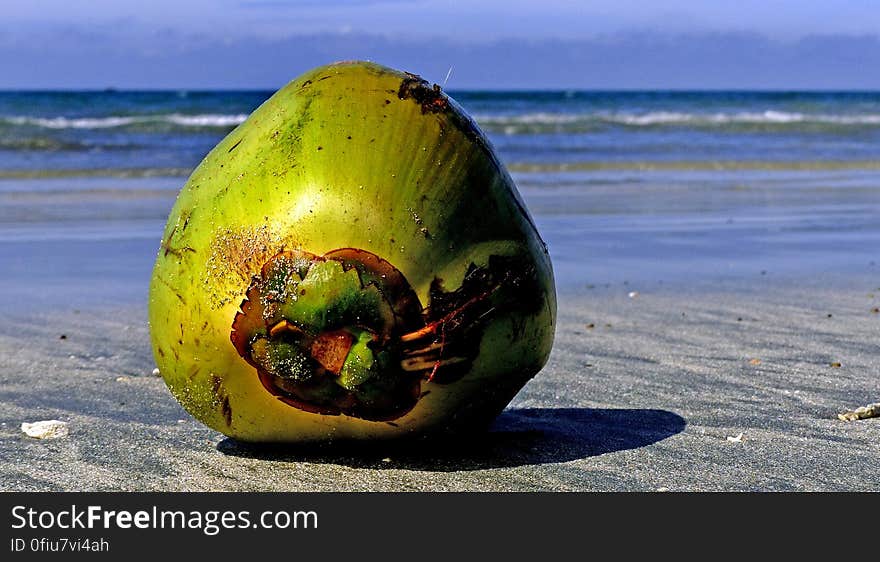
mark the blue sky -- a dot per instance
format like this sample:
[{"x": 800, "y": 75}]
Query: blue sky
[{"x": 777, "y": 44}]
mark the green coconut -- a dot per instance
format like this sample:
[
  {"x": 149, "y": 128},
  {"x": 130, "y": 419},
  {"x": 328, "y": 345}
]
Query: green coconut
[{"x": 351, "y": 262}]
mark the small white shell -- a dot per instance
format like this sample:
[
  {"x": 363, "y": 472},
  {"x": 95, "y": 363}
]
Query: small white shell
[{"x": 47, "y": 429}]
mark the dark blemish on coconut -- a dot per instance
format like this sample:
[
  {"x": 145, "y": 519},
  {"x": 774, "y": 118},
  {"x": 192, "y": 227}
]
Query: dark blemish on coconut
[
  {"x": 226, "y": 410},
  {"x": 174, "y": 291},
  {"x": 194, "y": 370},
  {"x": 234, "y": 146},
  {"x": 177, "y": 252},
  {"x": 186, "y": 221},
  {"x": 430, "y": 98}
]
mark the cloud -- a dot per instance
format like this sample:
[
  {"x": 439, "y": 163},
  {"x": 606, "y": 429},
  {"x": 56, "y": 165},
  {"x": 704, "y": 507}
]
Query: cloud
[{"x": 101, "y": 57}]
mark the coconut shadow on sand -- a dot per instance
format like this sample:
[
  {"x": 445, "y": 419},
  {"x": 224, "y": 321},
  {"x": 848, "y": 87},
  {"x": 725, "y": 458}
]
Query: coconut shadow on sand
[{"x": 519, "y": 437}]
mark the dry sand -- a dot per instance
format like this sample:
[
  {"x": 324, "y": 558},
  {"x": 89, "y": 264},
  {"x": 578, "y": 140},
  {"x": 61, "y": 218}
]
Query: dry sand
[{"x": 725, "y": 386}]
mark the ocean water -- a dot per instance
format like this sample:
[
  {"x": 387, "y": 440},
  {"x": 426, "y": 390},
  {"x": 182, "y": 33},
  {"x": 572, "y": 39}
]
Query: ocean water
[
  {"x": 626, "y": 187},
  {"x": 169, "y": 132}
]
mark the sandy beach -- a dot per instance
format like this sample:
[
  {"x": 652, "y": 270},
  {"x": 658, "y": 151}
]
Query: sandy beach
[{"x": 668, "y": 373}]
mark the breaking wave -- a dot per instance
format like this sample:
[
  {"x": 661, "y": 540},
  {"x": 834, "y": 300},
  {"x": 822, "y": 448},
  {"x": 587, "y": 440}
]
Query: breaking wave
[
  {"x": 572, "y": 122},
  {"x": 209, "y": 120},
  {"x": 511, "y": 124}
]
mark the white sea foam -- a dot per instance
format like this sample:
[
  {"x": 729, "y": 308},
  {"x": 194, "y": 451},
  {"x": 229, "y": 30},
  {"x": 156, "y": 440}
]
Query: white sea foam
[
  {"x": 203, "y": 120},
  {"x": 512, "y": 124},
  {"x": 771, "y": 117},
  {"x": 541, "y": 118},
  {"x": 207, "y": 120},
  {"x": 66, "y": 123}
]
